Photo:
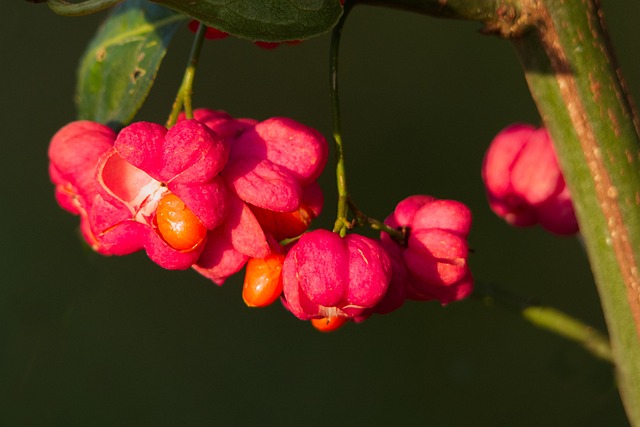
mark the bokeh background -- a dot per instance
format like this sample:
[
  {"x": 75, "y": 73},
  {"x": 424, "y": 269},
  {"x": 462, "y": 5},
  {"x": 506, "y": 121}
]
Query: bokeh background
[{"x": 90, "y": 340}]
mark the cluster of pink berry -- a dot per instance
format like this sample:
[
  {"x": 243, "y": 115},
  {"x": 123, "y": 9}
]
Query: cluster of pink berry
[
  {"x": 325, "y": 275},
  {"x": 185, "y": 195},
  {"x": 217, "y": 193},
  {"x": 524, "y": 183}
]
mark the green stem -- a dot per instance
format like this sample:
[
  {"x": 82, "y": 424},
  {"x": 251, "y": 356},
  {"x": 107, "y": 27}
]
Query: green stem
[
  {"x": 498, "y": 16},
  {"x": 399, "y": 236},
  {"x": 571, "y": 328},
  {"x": 86, "y": 7},
  {"x": 341, "y": 224},
  {"x": 551, "y": 319},
  {"x": 184, "y": 96},
  {"x": 473, "y": 10}
]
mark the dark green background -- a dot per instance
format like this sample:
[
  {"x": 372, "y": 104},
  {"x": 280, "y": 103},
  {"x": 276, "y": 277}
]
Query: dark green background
[{"x": 88, "y": 340}]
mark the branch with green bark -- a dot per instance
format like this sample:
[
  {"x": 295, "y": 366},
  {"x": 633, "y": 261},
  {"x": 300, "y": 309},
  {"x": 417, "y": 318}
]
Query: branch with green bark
[{"x": 577, "y": 86}]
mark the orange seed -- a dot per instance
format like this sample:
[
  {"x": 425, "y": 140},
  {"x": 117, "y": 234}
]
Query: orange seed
[
  {"x": 328, "y": 324},
  {"x": 177, "y": 225},
  {"x": 263, "y": 280}
]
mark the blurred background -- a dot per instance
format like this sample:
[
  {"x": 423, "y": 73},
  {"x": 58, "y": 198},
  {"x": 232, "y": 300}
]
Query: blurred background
[{"x": 92, "y": 340}]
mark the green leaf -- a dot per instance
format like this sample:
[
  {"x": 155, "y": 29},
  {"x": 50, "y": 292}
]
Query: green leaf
[
  {"x": 264, "y": 20},
  {"x": 86, "y": 7},
  {"x": 121, "y": 62}
]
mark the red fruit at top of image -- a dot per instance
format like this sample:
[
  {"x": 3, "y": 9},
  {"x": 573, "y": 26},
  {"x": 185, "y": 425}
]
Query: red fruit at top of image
[{"x": 211, "y": 33}]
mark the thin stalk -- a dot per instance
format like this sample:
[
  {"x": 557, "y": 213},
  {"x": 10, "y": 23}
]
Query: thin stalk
[
  {"x": 185, "y": 92},
  {"x": 341, "y": 224},
  {"x": 550, "y": 319},
  {"x": 399, "y": 236},
  {"x": 570, "y": 328}
]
